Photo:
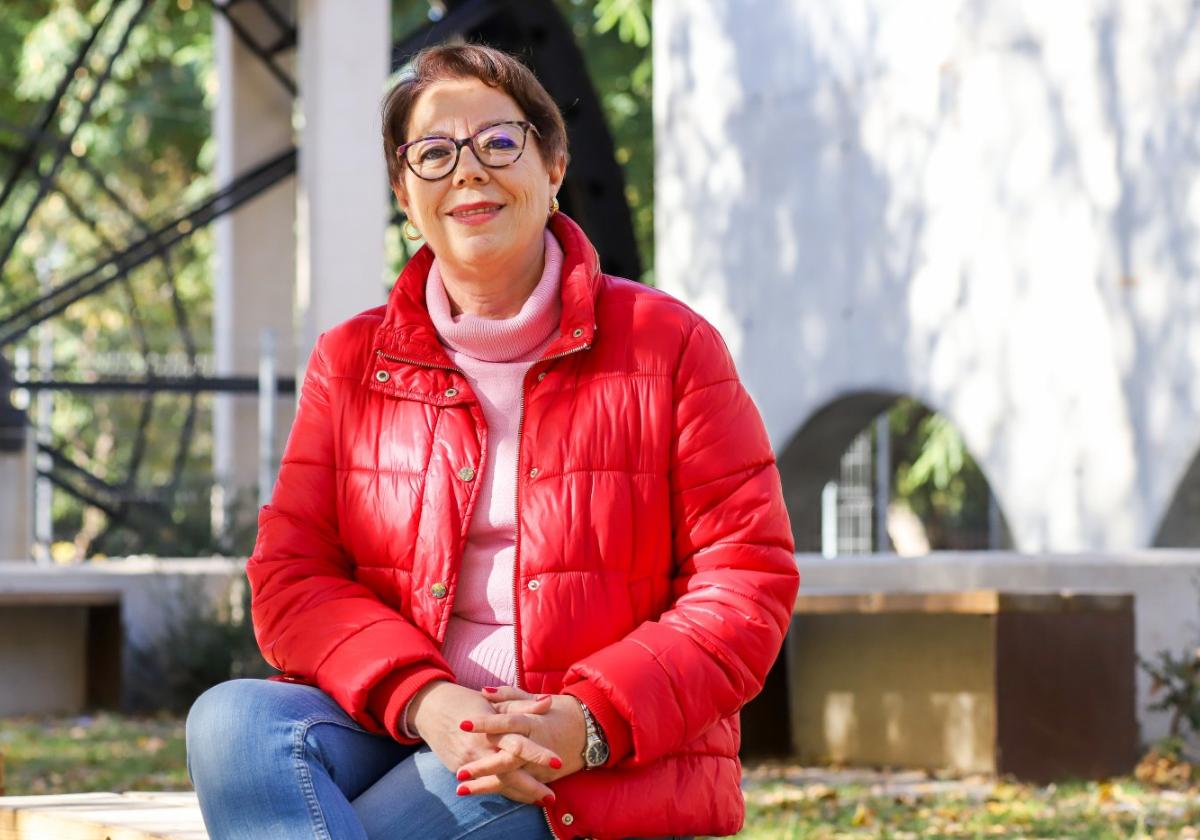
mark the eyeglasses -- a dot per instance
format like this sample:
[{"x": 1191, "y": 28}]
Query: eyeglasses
[{"x": 495, "y": 146}]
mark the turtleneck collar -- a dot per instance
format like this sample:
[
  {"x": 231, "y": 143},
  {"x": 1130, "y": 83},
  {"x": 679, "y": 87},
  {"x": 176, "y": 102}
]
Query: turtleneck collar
[{"x": 503, "y": 339}]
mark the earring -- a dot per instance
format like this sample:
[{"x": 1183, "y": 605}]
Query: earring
[
  {"x": 553, "y": 205},
  {"x": 410, "y": 231}
]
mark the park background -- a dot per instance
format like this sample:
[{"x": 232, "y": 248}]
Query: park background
[{"x": 953, "y": 250}]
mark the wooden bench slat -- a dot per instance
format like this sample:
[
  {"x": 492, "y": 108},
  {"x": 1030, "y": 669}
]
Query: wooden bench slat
[
  {"x": 979, "y": 602},
  {"x": 102, "y": 816}
]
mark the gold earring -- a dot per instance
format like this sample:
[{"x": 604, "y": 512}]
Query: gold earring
[
  {"x": 410, "y": 231},
  {"x": 553, "y": 205}
]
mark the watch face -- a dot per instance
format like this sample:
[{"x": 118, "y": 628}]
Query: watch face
[{"x": 597, "y": 754}]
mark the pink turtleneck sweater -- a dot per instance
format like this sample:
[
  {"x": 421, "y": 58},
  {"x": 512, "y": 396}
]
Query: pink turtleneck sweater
[{"x": 494, "y": 355}]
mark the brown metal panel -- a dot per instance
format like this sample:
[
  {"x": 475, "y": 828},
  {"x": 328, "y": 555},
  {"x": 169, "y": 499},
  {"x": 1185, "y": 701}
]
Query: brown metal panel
[
  {"x": 1065, "y": 694},
  {"x": 104, "y": 642},
  {"x": 766, "y": 720}
]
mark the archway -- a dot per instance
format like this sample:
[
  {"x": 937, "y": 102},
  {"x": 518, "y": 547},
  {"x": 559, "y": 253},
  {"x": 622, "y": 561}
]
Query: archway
[
  {"x": 879, "y": 471},
  {"x": 1180, "y": 525}
]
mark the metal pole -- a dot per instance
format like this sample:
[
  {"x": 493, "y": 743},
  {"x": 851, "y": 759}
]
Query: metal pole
[
  {"x": 267, "y": 387},
  {"x": 22, "y": 364},
  {"x": 43, "y": 490},
  {"x": 883, "y": 481},
  {"x": 829, "y": 519}
]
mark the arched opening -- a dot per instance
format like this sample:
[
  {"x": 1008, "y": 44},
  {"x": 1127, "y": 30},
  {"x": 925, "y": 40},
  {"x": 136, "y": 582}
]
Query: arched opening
[
  {"x": 1180, "y": 525},
  {"x": 879, "y": 471},
  {"x": 875, "y": 471}
]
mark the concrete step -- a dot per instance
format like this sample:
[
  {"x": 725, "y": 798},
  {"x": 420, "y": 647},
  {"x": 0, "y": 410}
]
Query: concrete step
[{"x": 102, "y": 816}]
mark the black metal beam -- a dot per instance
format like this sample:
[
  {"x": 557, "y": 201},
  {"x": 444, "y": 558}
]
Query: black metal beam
[
  {"x": 594, "y": 190},
  {"x": 264, "y": 54},
  {"x": 159, "y": 385},
  {"x": 460, "y": 18},
  {"x": 64, "y": 143},
  {"x": 110, "y": 269},
  {"x": 24, "y": 155}
]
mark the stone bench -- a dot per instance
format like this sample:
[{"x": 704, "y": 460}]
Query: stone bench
[
  {"x": 1040, "y": 686},
  {"x": 60, "y": 650},
  {"x": 69, "y": 634},
  {"x": 102, "y": 816}
]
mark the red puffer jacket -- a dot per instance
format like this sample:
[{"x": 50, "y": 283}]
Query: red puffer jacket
[{"x": 654, "y": 575}]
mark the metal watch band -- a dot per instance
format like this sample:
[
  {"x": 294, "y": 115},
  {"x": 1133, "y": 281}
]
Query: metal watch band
[{"x": 595, "y": 749}]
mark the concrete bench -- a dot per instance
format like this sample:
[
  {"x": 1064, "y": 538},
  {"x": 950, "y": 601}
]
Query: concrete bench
[
  {"x": 1041, "y": 686},
  {"x": 102, "y": 816},
  {"x": 68, "y": 633},
  {"x": 60, "y": 650}
]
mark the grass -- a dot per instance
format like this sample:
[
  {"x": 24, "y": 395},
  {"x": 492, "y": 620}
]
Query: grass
[
  {"x": 784, "y": 802},
  {"x": 1123, "y": 808},
  {"x": 93, "y": 753}
]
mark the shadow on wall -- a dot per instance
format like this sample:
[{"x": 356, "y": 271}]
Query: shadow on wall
[
  {"x": 825, "y": 214},
  {"x": 1155, "y": 224},
  {"x": 1011, "y": 233}
]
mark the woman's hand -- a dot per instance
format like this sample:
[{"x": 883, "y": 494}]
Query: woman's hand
[
  {"x": 520, "y": 722},
  {"x": 437, "y": 714}
]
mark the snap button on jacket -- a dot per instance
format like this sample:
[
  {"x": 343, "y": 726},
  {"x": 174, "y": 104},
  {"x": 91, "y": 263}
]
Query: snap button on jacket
[{"x": 655, "y": 573}]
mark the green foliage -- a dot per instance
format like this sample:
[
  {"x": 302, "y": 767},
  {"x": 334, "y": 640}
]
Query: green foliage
[
  {"x": 614, "y": 36},
  {"x": 147, "y": 138},
  {"x": 1119, "y": 809},
  {"x": 631, "y": 18},
  {"x": 936, "y": 477},
  {"x": 93, "y": 753},
  {"x": 148, "y": 135},
  {"x": 1175, "y": 680}
]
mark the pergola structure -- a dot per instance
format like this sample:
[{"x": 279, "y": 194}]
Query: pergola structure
[{"x": 300, "y": 86}]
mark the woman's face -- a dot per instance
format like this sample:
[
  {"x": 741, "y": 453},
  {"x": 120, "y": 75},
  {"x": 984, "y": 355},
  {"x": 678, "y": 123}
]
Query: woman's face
[{"x": 509, "y": 205}]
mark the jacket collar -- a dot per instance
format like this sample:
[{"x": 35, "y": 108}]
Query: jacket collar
[{"x": 407, "y": 332}]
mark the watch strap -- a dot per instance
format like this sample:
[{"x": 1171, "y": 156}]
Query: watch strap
[{"x": 595, "y": 745}]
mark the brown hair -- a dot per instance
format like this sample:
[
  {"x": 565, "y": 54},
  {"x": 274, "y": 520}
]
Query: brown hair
[{"x": 491, "y": 66}]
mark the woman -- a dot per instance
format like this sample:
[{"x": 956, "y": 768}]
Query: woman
[{"x": 527, "y": 555}]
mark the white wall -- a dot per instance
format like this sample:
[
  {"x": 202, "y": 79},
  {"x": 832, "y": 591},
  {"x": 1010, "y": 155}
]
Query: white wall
[
  {"x": 255, "y": 258},
  {"x": 994, "y": 208},
  {"x": 344, "y": 61}
]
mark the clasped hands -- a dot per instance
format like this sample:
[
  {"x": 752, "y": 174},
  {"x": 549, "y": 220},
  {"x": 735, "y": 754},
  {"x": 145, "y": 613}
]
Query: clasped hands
[{"x": 501, "y": 740}]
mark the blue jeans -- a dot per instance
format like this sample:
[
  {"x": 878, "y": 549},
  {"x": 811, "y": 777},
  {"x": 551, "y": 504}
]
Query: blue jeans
[{"x": 282, "y": 761}]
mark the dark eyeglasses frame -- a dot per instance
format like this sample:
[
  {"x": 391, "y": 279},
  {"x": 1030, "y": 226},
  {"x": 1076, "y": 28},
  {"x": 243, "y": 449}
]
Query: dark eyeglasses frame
[{"x": 526, "y": 126}]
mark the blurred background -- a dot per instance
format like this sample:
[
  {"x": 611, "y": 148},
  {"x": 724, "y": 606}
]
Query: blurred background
[
  {"x": 148, "y": 218},
  {"x": 953, "y": 247}
]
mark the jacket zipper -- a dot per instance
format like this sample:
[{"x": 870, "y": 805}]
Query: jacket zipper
[
  {"x": 517, "y": 547},
  {"x": 390, "y": 357},
  {"x": 517, "y": 510}
]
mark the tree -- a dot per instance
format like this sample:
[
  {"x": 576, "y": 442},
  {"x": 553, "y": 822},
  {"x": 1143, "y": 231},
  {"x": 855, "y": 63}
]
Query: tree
[{"x": 143, "y": 153}]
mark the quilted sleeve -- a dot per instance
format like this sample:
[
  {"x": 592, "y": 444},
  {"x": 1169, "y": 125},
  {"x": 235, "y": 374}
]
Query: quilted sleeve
[
  {"x": 735, "y": 583},
  {"x": 312, "y": 620}
]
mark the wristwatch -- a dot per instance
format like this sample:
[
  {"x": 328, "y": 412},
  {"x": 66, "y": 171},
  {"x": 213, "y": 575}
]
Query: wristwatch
[{"x": 595, "y": 750}]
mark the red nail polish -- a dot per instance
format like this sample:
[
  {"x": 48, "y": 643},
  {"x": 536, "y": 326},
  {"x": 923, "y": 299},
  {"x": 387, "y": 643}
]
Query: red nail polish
[
  {"x": 467, "y": 726},
  {"x": 463, "y": 790},
  {"x": 556, "y": 763},
  {"x": 464, "y": 775},
  {"x": 490, "y": 689},
  {"x": 548, "y": 801},
  {"x": 544, "y": 697}
]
